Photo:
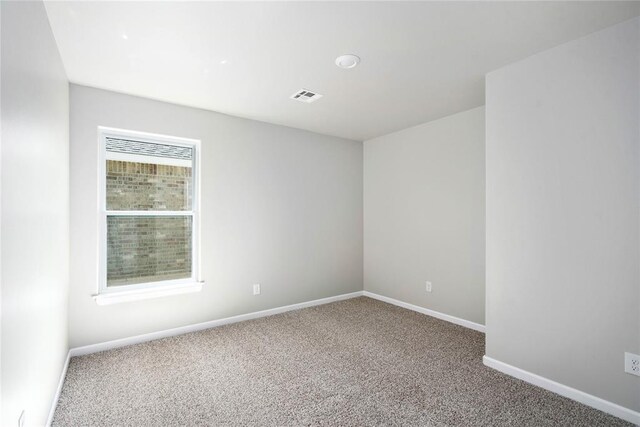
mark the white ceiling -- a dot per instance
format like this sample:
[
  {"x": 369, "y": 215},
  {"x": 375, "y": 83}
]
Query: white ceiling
[{"x": 420, "y": 60}]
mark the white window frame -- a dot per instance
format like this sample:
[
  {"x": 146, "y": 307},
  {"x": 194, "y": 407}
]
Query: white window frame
[{"x": 122, "y": 293}]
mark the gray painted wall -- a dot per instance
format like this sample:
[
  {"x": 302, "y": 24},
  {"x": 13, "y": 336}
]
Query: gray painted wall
[
  {"x": 35, "y": 213},
  {"x": 424, "y": 204},
  {"x": 563, "y": 235},
  {"x": 280, "y": 207}
]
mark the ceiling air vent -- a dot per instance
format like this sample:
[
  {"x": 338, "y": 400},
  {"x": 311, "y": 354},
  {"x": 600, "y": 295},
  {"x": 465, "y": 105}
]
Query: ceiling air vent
[{"x": 306, "y": 96}]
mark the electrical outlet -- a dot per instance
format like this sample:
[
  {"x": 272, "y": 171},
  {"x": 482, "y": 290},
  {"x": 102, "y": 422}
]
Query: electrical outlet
[
  {"x": 632, "y": 364},
  {"x": 21, "y": 419},
  {"x": 256, "y": 289},
  {"x": 428, "y": 286}
]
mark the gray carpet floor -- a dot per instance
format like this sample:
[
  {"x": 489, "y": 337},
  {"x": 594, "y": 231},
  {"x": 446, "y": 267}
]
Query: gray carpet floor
[{"x": 358, "y": 362}]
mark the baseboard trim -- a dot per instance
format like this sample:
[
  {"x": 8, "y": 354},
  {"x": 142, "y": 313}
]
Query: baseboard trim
[
  {"x": 95, "y": 348},
  {"x": 566, "y": 391},
  {"x": 56, "y": 397},
  {"x": 442, "y": 316}
]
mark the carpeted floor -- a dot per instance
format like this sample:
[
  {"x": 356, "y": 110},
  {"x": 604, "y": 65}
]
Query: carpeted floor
[{"x": 358, "y": 362}]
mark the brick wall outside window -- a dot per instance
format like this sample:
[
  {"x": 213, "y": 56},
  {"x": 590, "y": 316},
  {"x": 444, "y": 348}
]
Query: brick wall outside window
[
  {"x": 144, "y": 186},
  {"x": 144, "y": 249}
]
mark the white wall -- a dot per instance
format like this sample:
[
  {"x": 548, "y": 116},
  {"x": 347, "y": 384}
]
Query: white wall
[
  {"x": 563, "y": 235},
  {"x": 35, "y": 213},
  {"x": 280, "y": 207},
  {"x": 424, "y": 215}
]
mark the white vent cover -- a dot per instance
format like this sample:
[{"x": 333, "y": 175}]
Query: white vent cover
[{"x": 306, "y": 96}]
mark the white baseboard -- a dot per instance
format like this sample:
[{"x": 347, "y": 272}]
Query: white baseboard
[
  {"x": 458, "y": 321},
  {"x": 94, "y": 348},
  {"x": 56, "y": 397},
  {"x": 566, "y": 391}
]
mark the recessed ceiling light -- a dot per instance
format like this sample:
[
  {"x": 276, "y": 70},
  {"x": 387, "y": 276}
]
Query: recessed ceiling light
[
  {"x": 224, "y": 61},
  {"x": 347, "y": 61},
  {"x": 125, "y": 36}
]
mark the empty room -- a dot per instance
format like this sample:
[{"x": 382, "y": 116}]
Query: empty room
[{"x": 320, "y": 213}]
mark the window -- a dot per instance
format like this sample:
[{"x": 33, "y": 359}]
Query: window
[{"x": 149, "y": 213}]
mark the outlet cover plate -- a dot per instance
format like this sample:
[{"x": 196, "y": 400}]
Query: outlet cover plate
[
  {"x": 632, "y": 364},
  {"x": 256, "y": 289},
  {"x": 428, "y": 286}
]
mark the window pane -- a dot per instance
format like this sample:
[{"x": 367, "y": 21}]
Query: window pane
[
  {"x": 148, "y": 186},
  {"x": 148, "y": 249}
]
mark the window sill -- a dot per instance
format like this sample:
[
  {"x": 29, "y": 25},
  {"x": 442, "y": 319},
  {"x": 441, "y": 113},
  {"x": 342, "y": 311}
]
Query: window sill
[{"x": 143, "y": 294}]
